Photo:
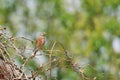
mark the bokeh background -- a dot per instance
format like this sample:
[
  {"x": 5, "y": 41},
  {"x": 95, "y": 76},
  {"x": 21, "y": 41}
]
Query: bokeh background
[{"x": 89, "y": 30}]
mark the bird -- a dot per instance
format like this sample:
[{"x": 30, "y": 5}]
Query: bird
[{"x": 39, "y": 42}]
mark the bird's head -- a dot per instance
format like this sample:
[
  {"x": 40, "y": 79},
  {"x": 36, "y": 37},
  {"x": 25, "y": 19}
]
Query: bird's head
[{"x": 43, "y": 34}]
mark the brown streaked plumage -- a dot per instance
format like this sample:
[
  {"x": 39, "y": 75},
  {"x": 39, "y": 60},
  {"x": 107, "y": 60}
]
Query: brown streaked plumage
[{"x": 40, "y": 42}]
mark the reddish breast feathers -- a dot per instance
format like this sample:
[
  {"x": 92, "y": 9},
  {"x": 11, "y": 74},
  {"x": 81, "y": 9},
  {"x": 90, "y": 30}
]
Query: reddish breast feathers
[{"x": 40, "y": 42}]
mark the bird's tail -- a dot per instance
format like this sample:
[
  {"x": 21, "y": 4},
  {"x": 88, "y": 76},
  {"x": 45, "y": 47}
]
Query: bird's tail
[{"x": 35, "y": 50}]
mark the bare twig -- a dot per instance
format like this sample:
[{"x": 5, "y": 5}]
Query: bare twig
[
  {"x": 51, "y": 57},
  {"x": 19, "y": 73},
  {"x": 75, "y": 68}
]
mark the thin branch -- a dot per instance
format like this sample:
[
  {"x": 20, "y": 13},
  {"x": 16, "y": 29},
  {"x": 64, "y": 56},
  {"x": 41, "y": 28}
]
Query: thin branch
[
  {"x": 51, "y": 58},
  {"x": 75, "y": 68}
]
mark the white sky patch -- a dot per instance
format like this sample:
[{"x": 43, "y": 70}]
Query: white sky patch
[
  {"x": 107, "y": 35},
  {"x": 116, "y": 44},
  {"x": 72, "y": 5},
  {"x": 118, "y": 13},
  {"x": 41, "y": 59},
  {"x": 31, "y": 4}
]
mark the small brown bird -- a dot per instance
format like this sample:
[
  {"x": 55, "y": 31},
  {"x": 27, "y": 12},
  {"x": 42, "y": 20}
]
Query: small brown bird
[{"x": 40, "y": 42}]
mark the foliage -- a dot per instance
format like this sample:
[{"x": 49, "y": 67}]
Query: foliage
[{"x": 86, "y": 28}]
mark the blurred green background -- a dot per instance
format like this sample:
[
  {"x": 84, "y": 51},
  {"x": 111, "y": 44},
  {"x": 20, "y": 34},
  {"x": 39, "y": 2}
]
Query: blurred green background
[{"x": 89, "y": 30}]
